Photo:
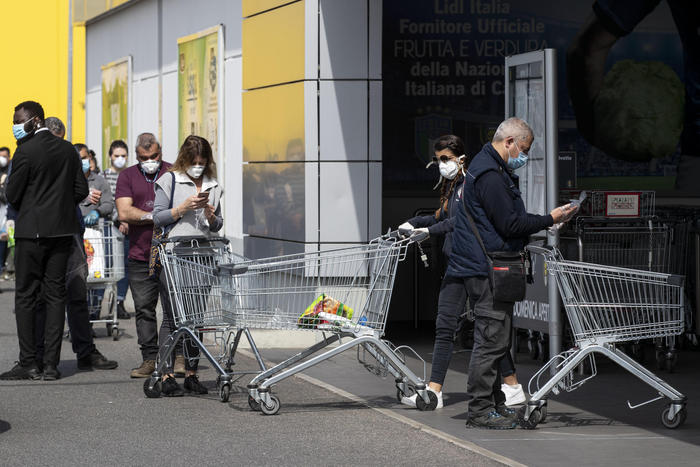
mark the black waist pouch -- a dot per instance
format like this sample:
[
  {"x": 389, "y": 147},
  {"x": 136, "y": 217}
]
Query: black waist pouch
[{"x": 507, "y": 275}]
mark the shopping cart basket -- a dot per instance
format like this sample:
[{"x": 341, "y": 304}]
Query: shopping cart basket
[
  {"x": 194, "y": 288},
  {"x": 607, "y": 305},
  {"x": 104, "y": 250},
  {"x": 344, "y": 293}
]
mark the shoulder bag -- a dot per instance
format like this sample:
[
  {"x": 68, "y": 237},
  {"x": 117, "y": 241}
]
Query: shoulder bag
[{"x": 159, "y": 234}]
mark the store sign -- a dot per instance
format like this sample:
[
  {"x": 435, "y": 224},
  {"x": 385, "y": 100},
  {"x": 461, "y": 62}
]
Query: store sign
[
  {"x": 622, "y": 204},
  {"x": 116, "y": 77},
  {"x": 199, "y": 81}
]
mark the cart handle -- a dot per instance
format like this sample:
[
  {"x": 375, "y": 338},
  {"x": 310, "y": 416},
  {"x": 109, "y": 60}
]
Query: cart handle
[
  {"x": 186, "y": 238},
  {"x": 230, "y": 269}
]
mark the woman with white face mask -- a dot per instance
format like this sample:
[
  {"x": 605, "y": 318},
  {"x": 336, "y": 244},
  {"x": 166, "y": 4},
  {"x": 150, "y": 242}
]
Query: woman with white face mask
[
  {"x": 452, "y": 164},
  {"x": 193, "y": 211}
]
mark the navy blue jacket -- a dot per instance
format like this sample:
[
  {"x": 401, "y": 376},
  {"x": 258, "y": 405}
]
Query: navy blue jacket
[
  {"x": 444, "y": 223},
  {"x": 492, "y": 197}
]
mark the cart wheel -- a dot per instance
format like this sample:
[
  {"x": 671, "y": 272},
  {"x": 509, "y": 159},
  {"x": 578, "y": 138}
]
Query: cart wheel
[
  {"x": 151, "y": 393},
  {"x": 671, "y": 359},
  {"x": 422, "y": 406},
  {"x": 676, "y": 421},
  {"x": 543, "y": 414},
  {"x": 109, "y": 327},
  {"x": 400, "y": 394},
  {"x": 115, "y": 334},
  {"x": 273, "y": 408},
  {"x": 253, "y": 404},
  {"x": 531, "y": 423},
  {"x": 225, "y": 392}
]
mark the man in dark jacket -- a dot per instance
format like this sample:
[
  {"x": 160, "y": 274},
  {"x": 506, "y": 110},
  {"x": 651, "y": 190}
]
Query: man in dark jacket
[
  {"x": 493, "y": 200},
  {"x": 45, "y": 185}
]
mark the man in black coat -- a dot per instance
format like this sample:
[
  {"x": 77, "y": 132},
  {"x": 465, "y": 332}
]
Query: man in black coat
[{"x": 45, "y": 184}]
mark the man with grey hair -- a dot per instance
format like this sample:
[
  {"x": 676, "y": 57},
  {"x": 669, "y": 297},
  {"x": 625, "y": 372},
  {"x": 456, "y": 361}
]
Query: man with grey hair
[
  {"x": 492, "y": 206},
  {"x": 55, "y": 126},
  {"x": 134, "y": 197}
]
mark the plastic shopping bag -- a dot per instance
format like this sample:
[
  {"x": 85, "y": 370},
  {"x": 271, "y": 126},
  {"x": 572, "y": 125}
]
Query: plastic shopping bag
[
  {"x": 317, "y": 313},
  {"x": 95, "y": 253}
]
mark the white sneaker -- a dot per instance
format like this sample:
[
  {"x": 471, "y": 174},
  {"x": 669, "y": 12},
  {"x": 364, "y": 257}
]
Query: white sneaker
[
  {"x": 514, "y": 394},
  {"x": 411, "y": 401}
]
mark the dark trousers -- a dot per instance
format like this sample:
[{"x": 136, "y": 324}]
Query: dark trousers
[
  {"x": 123, "y": 284},
  {"x": 168, "y": 326},
  {"x": 77, "y": 307},
  {"x": 145, "y": 290},
  {"x": 492, "y": 334},
  {"x": 40, "y": 269},
  {"x": 451, "y": 304}
]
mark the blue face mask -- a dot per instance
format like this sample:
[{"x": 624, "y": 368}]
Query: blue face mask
[
  {"x": 18, "y": 130},
  {"x": 86, "y": 165},
  {"x": 519, "y": 161}
]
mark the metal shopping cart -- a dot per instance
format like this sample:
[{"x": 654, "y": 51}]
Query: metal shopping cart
[
  {"x": 104, "y": 250},
  {"x": 341, "y": 293},
  {"x": 608, "y": 305},
  {"x": 194, "y": 287}
]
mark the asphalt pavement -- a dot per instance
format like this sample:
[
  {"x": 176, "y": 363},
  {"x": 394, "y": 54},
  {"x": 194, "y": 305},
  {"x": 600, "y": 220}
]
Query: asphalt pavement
[{"x": 103, "y": 418}]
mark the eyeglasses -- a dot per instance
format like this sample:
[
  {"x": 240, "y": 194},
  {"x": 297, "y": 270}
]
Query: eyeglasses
[
  {"x": 442, "y": 158},
  {"x": 152, "y": 157}
]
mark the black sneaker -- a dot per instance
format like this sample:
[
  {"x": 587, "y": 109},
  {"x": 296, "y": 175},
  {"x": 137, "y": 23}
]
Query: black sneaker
[
  {"x": 121, "y": 311},
  {"x": 492, "y": 421},
  {"x": 22, "y": 372},
  {"x": 193, "y": 385},
  {"x": 51, "y": 373},
  {"x": 171, "y": 388},
  {"x": 505, "y": 411},
  {"x": 96, "y": 361}
]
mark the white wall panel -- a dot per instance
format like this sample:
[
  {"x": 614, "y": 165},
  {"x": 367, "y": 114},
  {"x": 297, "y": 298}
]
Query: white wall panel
[
  {"x": 375, "y": 121},
  {"x": 232, "y": 176},
  {"x": 343, "y": 39},
  {"x": 170, "y": 142},
  {"x": 343, "y": 202},
  {"x": 145, "y": 113},
  {"x": 343, "y": 120},
  {"x": 93, "y": 124}
]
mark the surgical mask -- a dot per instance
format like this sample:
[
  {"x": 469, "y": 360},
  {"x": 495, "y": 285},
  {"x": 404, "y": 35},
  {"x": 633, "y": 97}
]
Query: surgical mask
[
  {"x": 449, "y": 169},
  {"x": 86, "y": 165},
  {"x": 195, "y": 171},
  {"x": 150, "y": 166},
  {"x": 516, "y": 163},
  {"x": 119, "y": 162},
  {"x": 3, "y": 162},
  {"x": 18, "y": 130}
]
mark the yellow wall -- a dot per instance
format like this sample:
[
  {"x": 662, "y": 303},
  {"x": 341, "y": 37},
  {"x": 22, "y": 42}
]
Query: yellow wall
[{"x": 34, "y": 57}]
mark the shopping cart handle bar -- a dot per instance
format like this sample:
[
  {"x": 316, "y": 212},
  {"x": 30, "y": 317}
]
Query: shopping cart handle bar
[
  {"x": 546, "y": 250},
  {"x": 230, "y": 269},
  {"x": 186, "y": 238},
  {"x": 675, "y": 279}
]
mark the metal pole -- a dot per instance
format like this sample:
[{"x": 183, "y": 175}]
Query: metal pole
[
  {"x": 69, "y": 112},
  {"x": 552, "y": 151}
]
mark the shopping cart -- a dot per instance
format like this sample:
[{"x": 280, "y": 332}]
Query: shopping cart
[
  {"x": 341, "y": 293},
  {"x": 104, "y": 251},
  {"x": 194, "y": 287},
  {"x": 607, "y": 305}
]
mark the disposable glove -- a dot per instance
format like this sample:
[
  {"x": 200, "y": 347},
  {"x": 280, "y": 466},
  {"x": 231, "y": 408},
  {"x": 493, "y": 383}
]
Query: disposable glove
[
  {"x": 91, "y": 218},
  {"x": 405, "y": 229}
]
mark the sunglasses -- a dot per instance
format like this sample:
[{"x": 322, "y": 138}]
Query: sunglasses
[{"x": 442, "y": 158}]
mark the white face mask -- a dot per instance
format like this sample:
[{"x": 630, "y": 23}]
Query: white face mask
[
  {"x": 449, "y": 169},
  {"x": 195, "y": 171},
  {"x": 150, "y": 167},
  {"x": 3, "y": 162},
  {"x": 119, "y": 162}
]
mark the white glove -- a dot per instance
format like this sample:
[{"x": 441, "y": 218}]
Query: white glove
[
  {"x": 405, "y": 229},
  {"x": 420, "y": 234}
]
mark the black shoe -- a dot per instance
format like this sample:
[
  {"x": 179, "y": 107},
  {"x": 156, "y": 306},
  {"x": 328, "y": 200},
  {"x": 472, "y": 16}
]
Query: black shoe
[
  {"x": 51, "y": 373},
  {"x": 505, "y": 411},
  {"x": 121, "y": 311},
  {"x": 492, "y": 421},
  {"x": 171, "y": 388},
  {"x": 22, "y": 372},
  {"x": 96, "y": 361},
  {"x": 193, "y": 385}
]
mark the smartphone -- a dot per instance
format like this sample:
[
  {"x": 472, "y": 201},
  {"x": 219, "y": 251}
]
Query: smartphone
[{"x": 204, "y": 194}]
